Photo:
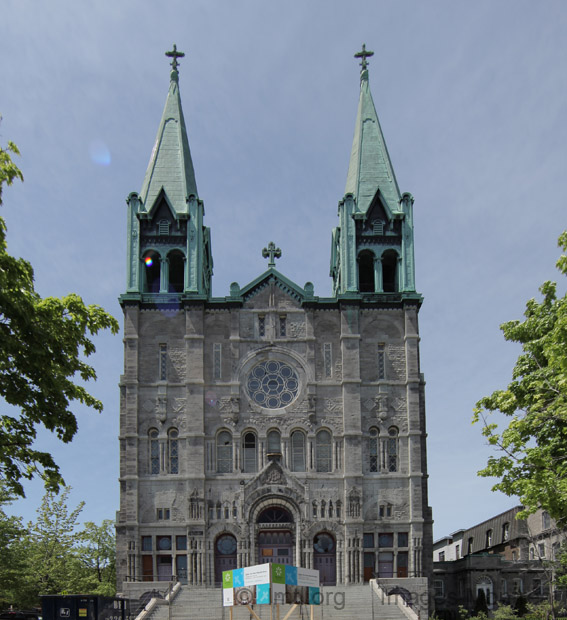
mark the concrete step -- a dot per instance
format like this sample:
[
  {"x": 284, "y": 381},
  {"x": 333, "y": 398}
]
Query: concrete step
[{"x": 338, "y": 603}]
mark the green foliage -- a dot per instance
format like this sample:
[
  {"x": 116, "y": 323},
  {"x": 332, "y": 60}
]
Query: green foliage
[
  {"x": 504, "y": 612},
  {"x": 53, "y": 555},
  {"x": 11, "y": 559},
  {"x": 43, "y": 344},
  {"x": 533, "y": 447}
]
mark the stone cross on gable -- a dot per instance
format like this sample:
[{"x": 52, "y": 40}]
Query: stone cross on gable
[
  {"x": 272, "y": 252},
  {"x": 175, "y": 55},
  {"x": 364, "y": 55}
]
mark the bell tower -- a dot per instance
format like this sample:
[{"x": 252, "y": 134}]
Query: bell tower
[
  {"x": 372, "y": 248},
  {"x": 169, "y": 249}
]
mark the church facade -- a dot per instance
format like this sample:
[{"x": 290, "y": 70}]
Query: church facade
[{"x": 272, "y": 425}]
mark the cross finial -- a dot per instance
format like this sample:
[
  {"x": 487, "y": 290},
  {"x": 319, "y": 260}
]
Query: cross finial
[
  {"x": 272, "y": 252},
  {"x": 364, "y": 55},
  {"x": 175, "y": 55}
]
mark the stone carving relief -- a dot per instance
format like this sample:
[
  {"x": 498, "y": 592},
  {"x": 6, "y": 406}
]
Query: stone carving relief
[
  {"x": 333, "y": 405},
  {"x": 296, "y": 329},
  {"x": 179, "y": 365},
  {"x": 333, "y": 423}
]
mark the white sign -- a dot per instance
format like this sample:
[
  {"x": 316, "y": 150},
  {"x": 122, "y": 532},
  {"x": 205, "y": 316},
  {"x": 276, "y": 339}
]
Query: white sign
[
  {"x": 254, "y": 575},
  {"x": 307, "y": 577}
]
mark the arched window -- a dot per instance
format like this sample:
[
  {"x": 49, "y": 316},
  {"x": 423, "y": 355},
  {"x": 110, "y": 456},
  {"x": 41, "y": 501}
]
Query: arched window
[
  {"x": 274, "y": 442},
  {"x": 297, "y": 451},
  {"x": 390, "y": 453},
  {"x": 154, "y": 451},
  {"x": 224, "y": 452},
  {"x": 339, "y": 508},
  {"x": 330, "y": 508},
  {"x": 151, "y": 266},
  {"x": 163, "y": 227},
  {"x": 390, "y": 271},
  {"x": 249, "y": 455},
  {"x": 176, "y": 266},
  {"x": 323, "y": 507},
  {"x": 366, "y": 272},
  {"x": 378, "y": 227},
  {"x": 373, "y": 451},
  {"x": 323, "y": 452},
  {"x": 173, "y": 451}
]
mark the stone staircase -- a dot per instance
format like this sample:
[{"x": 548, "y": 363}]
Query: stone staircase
[{"x": 358, "y": 602}]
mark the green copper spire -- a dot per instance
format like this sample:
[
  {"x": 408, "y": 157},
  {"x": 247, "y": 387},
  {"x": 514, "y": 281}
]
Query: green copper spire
[
  {"x": 171, "y": 166},
  {"x": 370, "y": 168}
]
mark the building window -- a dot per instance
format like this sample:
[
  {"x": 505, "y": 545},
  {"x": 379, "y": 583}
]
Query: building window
[
  {"x": 181, "y": 543},
  {"x": 163, "y": 543},
  {"x": 385, "y": 540},
  {"x": 328, "y": 360},
  {"x": 163, "y": 362},
  {"x": 339, "y": 508},
  {"x": 163, "y": 227},
  {"x": 368, "y": 540},
  {"x": 217, "y": 349},
  {"x": 439, "y": 587},
  {"x": 323, "y": 507},
  {"x": 390, "y": 454},
  {"x": 381, "y": 361},
  {"x": 545, "y": 520},
  {"x": 282, "y": 326},
  {"x": 537, "y": 587},
  {"x": 517, "y": 586},
  {"x": 505, "y": 532},
  {"x": 224, "y": 452},
  {"x": 555, "y": 551},
  {"x": 154, "y": 451},
  {"x": 488, "y": 538},
  {"x": 532, "y": 553},
  {"x": 503, "y": 588},
  {"x": 249, "y": 460},
  {"x": 146, "y": 543},
  {"x": 330, "y": 509},
  {"x": 457, "y": 552},
  {"x": 402, "y": 539},
  {"x": 163, "y": 514},
  {"x": 314, "y": 510},
  {"x": 173, "y": 450},
  {"x": 298, "y": 451},
  {"x": 541, "y": 550},
  {"x": 274, "y": 442},
  {"x": 151, "y": 272},
  {"x": 514, "y": 556},
  {"x": 470, "y": 545},
  {"x": 373, "y": 450},
  {"x": 385, "y": 511},
  {"x": 261, "y": 326},
  {"x": 323, "y": 454},
  {"x": 441, "y": 556}
]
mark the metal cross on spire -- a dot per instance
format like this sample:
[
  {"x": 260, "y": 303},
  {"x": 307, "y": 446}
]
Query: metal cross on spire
[
  {"x": 272, "y": 252},
  {"x": 175, "y": 55},
  {"x": 364, "y": 55}
]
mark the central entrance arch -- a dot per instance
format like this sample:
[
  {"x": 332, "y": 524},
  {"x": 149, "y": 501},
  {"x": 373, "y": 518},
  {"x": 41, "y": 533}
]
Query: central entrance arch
[{"x": 275, "y": 536}]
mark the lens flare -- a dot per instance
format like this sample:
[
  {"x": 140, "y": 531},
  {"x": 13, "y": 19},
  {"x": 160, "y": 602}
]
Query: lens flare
[
  {"x": 99, "y": 153},
  {"x": 148, "y": 260}
]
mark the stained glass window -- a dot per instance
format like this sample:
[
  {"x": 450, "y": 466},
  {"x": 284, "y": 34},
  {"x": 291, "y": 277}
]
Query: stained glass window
[{"x": 272, "y": 384}]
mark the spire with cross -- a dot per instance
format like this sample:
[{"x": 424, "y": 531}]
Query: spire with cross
[
  {"x": 174, "y": 64},
  {"x": 272, "y": 252},
  {"x": 364, "y": 54}
]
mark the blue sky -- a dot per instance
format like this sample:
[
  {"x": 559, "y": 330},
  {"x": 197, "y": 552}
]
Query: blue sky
[{"x": 472, "y": 99}]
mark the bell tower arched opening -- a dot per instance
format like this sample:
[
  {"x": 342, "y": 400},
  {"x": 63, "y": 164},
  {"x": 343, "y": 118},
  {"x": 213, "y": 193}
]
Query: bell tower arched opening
[{"x": 366, "y": 272}]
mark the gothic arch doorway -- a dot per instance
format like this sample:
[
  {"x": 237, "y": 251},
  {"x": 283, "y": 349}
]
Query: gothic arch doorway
[
  {"x": 325, "y": 558},
  {"x": 275, "y": 536},
  {"x": 225, "y": 555}
]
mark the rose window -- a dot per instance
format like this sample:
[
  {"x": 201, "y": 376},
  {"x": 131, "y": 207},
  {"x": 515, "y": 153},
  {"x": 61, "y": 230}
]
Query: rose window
[{"x": 272, "y": 384}]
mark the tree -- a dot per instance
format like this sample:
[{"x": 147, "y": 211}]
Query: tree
[
  {"x": 533, "y": 447},
  {"x": 96, "y": 553},
  {"x": 43, "y": 345},
  {"x": 11, "y": 558},
  {"x": 52, "y": 566}
]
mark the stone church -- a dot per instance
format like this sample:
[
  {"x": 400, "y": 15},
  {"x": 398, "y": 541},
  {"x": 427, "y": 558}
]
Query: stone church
[{"x": 272, "y": 425}]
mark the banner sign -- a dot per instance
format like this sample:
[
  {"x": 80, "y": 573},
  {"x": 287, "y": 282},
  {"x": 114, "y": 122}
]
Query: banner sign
[{"x": 264, "y": 584}]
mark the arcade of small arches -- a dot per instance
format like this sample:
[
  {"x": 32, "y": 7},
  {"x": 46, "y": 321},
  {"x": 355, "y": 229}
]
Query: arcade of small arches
[
  {"x": 297, "y": 451},
  {"x": 378, "y": 274},
  {"x": 162, "y": 272}
]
